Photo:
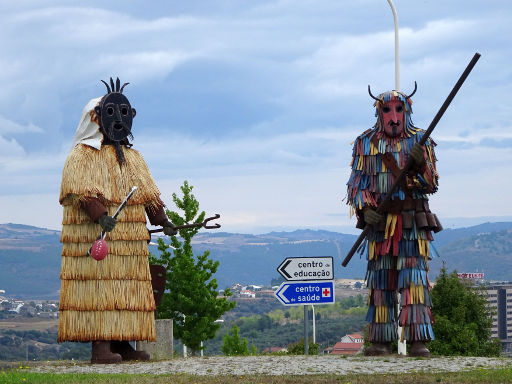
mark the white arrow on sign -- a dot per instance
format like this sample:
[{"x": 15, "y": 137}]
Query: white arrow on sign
[
  {"x": 280, "y": 294},
  {"x": 307, "y": 268}
]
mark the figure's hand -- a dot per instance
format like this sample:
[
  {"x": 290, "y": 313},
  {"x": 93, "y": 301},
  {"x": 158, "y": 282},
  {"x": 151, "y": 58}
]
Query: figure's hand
[
  {"x": 107, "y": 223},
  {"x": 371, "y": 217},
  {"x": 169, "y": 229},
  {"x": 417, "y": 152}
]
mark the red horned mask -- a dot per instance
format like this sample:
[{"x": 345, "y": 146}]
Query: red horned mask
[{"x": 392, "y": 117}]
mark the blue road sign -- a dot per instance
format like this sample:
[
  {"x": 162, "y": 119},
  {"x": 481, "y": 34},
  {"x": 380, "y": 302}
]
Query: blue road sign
[{"x": 306, "y": 292}]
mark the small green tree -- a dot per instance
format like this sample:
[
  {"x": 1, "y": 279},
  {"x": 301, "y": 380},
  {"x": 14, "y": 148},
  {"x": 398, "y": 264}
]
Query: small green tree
[
  {"x": 298, "y": 348},
  {"x": 233, "y": 345},
  {"x": 462, "y": 320},
  {"x": 192, "y": 298}
]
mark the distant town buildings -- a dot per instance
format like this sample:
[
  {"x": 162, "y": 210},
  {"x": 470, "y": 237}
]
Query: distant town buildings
[
  {"x": 32, "y": 308},
  {"x": 350, "y": 283},
  {"x": 275, "y": 350},
  {"x": 250, "y": 291},
  {"x": 247, "y": 293}
]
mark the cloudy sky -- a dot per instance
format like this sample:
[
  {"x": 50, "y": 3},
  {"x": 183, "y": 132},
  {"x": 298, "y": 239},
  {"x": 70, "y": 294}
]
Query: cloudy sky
[{"x": 256, "y": 103}]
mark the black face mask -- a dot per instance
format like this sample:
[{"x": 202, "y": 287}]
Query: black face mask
[{"x": 116, "y": 116}]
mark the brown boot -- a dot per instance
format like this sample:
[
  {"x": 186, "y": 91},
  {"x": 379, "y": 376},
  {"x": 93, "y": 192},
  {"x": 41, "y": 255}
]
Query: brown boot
[
  {"x": 101, "y": 353},
  {"x": 418, "y": 349},
  {"x": 378, "y": 349},
  {"x": 127, "y": 352}
]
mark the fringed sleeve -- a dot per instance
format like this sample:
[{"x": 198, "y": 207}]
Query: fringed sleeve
[
  {"x": 425, "y": 180},
  {"x": 363, "y": 182}
]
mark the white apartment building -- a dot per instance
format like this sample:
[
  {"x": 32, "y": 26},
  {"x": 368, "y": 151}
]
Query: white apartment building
[{"x": 499, "y": 298}]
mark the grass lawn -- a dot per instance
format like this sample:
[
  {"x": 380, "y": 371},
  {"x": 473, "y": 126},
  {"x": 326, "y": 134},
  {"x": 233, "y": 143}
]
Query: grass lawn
[{"x": 471, "y": 376}]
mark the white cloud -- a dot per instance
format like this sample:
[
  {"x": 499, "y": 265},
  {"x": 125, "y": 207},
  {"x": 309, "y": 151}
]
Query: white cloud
[
  {"x": 29, "y": 173},
  {"x": 8, "y": 126},
  {"x": 305, "y": 64},
  {"x": 335, "y": 69},
  {"x": 10, "y": 148},
  {"x": 476, "y": 137},
  {"x": 281, "y": 153},
  {"x": 142, "y": 66},
  {"x": 473, "y": 182},
  {"x": 258, "y": 202},
  {"x": 38, "y": 209},
  {"x": 88, "y": 25}
]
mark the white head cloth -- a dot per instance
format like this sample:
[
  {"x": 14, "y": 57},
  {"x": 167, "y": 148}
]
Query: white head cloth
[{"x": 88, "y": 132}]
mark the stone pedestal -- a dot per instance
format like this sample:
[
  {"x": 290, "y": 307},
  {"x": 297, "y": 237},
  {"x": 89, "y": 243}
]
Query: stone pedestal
[{"x": 163, "y": 348}]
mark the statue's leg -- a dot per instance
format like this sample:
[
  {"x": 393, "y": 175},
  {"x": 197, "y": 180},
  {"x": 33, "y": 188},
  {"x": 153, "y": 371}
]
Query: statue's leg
[
  {"x": 101, "y": 353},
  {"x": 415, "y": 303},
  {"x": 127, "y": 352},
  {"x": 381, "y": 279}
]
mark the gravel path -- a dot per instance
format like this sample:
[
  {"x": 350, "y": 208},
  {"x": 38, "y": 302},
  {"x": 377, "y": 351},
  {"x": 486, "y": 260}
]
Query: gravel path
[{"x": 282, "y": 365}]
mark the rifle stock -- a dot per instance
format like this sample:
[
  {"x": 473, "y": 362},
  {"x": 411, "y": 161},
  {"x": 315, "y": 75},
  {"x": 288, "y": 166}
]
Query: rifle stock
[{"x": 410, "y": 161}]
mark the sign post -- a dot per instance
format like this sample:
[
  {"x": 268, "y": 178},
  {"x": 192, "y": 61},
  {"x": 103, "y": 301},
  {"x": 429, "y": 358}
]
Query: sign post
[
  {"x": 310, "y": 280},
  {"x": 306, "y": 332}
]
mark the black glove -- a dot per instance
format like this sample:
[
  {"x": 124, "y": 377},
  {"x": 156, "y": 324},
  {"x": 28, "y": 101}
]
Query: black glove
[
  {"x": 169, "y": 229},
  {"x": 371, "y": 217},
  {"x": 107, "y": 223},
  {"x": 417, "y": 152}
]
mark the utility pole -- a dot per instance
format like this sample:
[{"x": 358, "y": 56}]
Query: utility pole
[
  {"x": 314, "y": 324},
  {"x": 402, "y": 347},
  {"x": 184, "y": 346},
  {"x": 306, "y": 330}
]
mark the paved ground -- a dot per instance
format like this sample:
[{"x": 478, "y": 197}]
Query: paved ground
[{"x": 282, "y": 365}]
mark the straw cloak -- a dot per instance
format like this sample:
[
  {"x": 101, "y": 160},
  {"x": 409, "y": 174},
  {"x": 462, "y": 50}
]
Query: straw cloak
[{"x": 111, "y": 299}]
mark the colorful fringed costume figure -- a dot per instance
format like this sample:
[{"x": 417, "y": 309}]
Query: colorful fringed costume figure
[
  {"x": 398, "y": 246},
  {"x": 108, "y": 302}
]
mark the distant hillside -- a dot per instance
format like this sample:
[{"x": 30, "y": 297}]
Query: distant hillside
[
  {"x": 30, "y": 261},
  {"x": 30, "y": 256},
  {"x": 255, "y": 258},
  {"x": 450, "y": 235},
  {"x": 488, "y": 252}
]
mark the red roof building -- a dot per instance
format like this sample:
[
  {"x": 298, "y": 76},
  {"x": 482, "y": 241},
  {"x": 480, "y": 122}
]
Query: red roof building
[
  {"x": 275, "y": 350},
  {"x": 349, "y": 345}
]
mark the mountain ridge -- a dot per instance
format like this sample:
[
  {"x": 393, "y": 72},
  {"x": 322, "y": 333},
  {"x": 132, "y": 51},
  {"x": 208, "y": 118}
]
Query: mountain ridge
[{"x": 30, "y": 256}]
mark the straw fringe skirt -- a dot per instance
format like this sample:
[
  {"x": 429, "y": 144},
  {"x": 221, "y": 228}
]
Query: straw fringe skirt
[{"x": 111, "y": 299}]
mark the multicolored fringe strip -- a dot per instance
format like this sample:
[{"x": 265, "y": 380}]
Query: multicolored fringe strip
[
  {"x": 417, "y": 332},
  {"x": 417, "y": 323},
  {"x": 383, "y": 332}
]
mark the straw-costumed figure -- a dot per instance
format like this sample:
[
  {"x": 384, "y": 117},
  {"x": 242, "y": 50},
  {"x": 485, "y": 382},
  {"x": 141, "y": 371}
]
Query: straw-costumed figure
[
  {"x": 398, "y": 246},
  {"x": 110, "y": 299}
]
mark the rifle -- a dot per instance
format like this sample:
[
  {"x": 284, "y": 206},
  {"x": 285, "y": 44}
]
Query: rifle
[{"x": 410, "y": 160}]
